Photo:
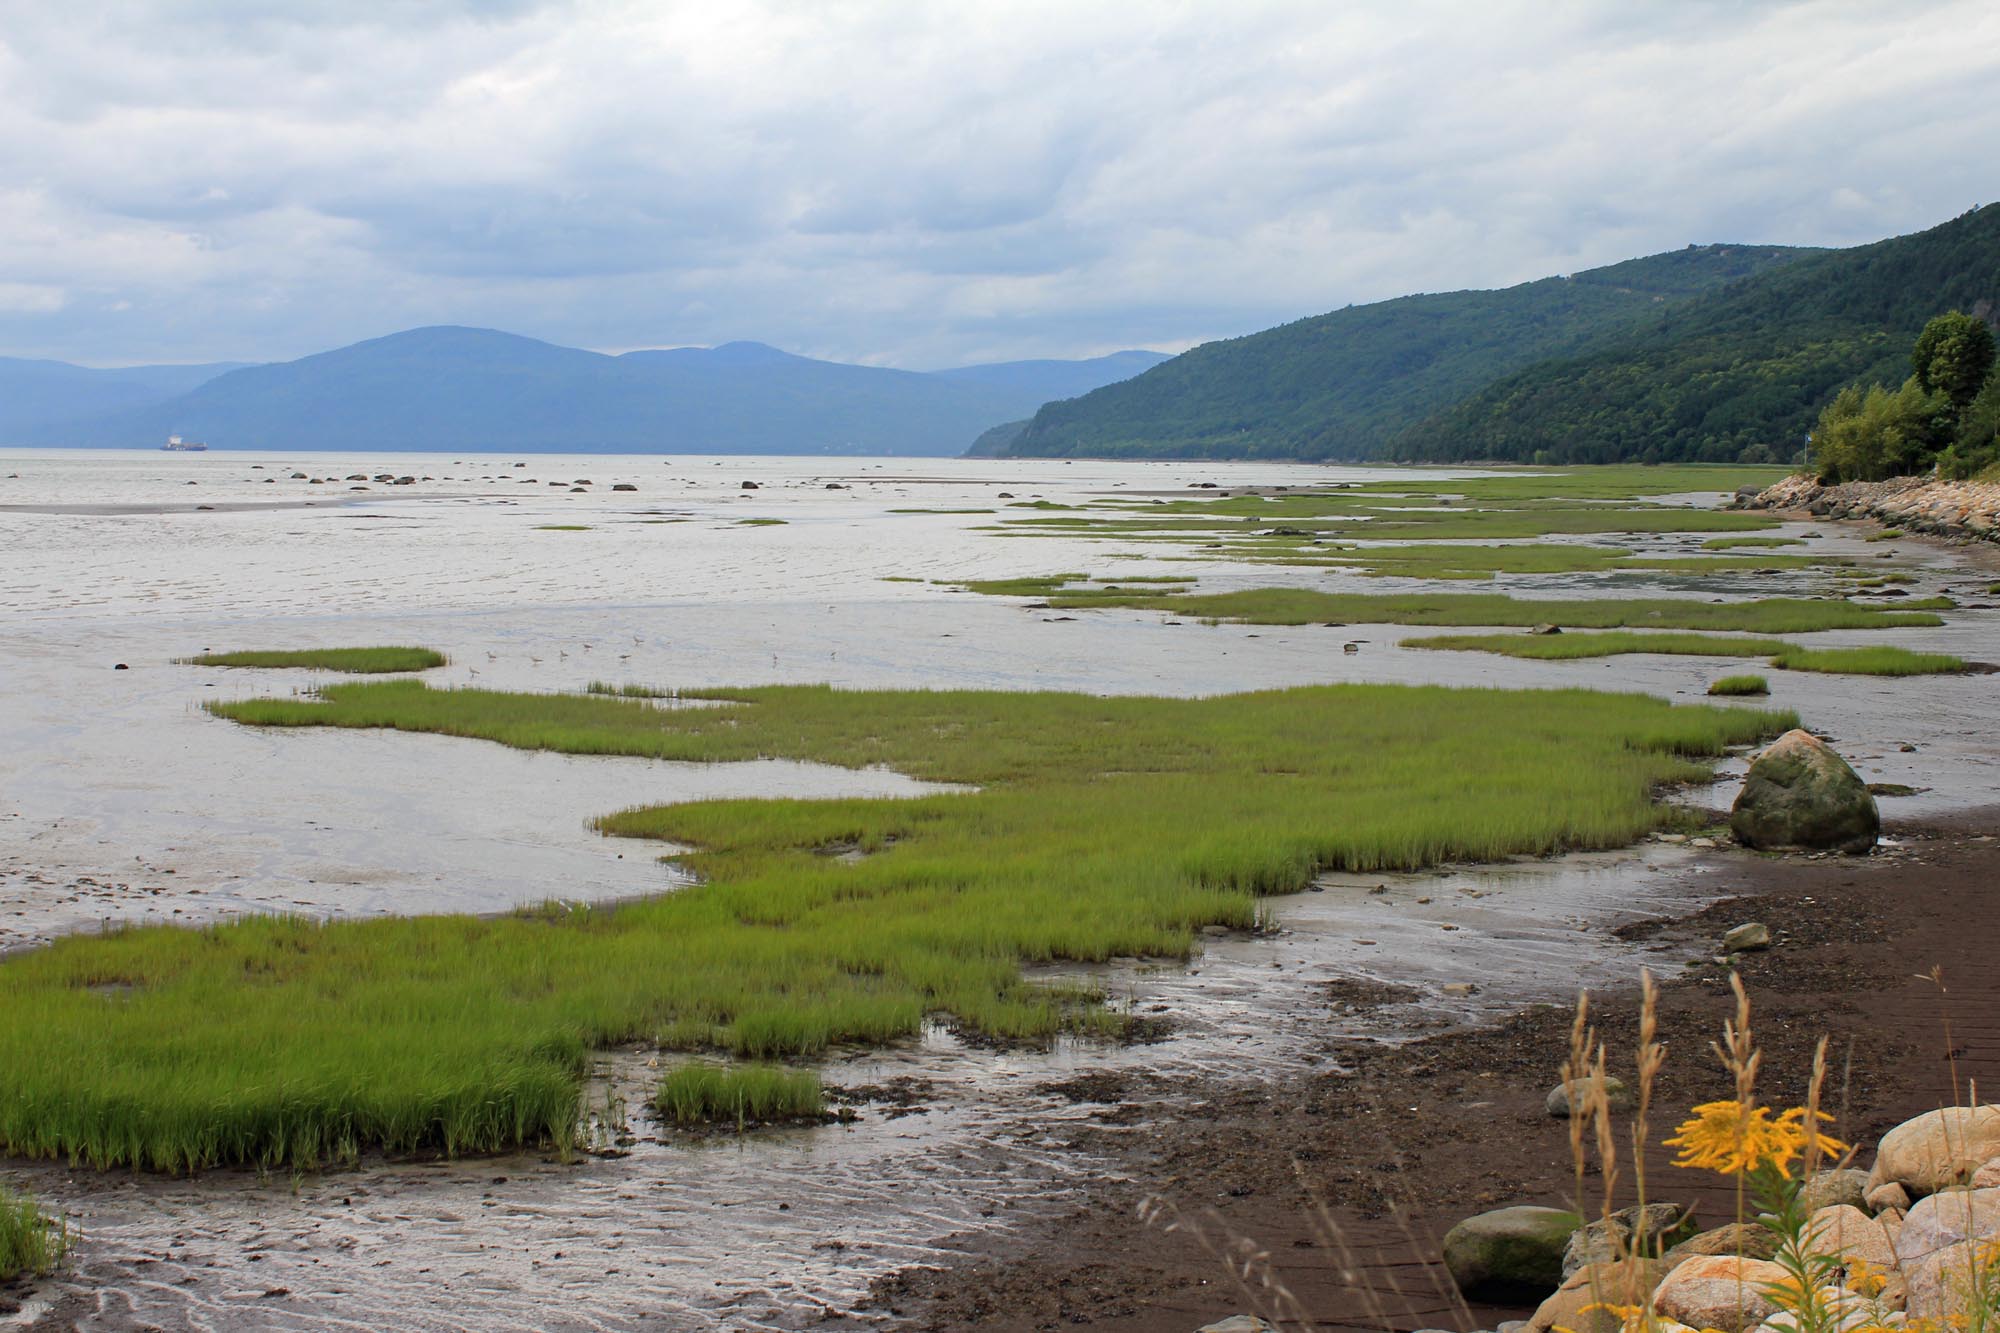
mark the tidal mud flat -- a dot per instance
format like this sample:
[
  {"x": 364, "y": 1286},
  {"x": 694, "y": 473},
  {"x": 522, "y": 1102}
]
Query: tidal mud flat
[{"x": 992, "y": 1120}]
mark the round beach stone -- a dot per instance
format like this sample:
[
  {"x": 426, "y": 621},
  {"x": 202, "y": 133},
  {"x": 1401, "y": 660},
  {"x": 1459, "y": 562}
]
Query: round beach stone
[
  {"x": 1800, "y": 794},
  {"x": 1628, "y": 1231},
  {"x": 1509, "y": 1253},
  {"x": 1846, "y": 1235},
  {"x": 1719, "y": 1291},
  {"x": 1936, "y": 1149},
  {"x": 1558, "y": 1102}
]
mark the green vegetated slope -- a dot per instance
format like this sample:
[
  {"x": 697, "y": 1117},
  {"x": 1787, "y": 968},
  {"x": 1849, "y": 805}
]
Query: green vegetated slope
[
  {"x": 1730, "y": 357},
  {"x": 1099, "y": 827},
  {"x": 1342, "y": 385},
  {"x": 1741, "y": 373}
]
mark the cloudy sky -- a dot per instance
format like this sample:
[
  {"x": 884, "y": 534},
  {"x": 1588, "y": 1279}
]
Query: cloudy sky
[{"x": 926, "y": 184}]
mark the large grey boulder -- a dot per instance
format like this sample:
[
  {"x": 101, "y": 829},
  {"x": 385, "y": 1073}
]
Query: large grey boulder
[
  {"x": 1800, "y": 794},
  {"x": 1510, "y": 1254}
]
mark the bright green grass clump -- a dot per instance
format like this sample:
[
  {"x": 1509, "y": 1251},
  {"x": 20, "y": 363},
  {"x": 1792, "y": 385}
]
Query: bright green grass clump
[
  {"x": 1784, "y": 656},
  {"x": 358, "y": 661},
  {"x": 1100, "y": 827},
  {"x": 1307, "y": 606},
  {"x": 628, "y": 690},
  {"x": 31, "y": 1245},
  {"x": 740, "y": 1095},
  {"x": 1733, "y": 686},
  {"x": 1867, "y": 661}
]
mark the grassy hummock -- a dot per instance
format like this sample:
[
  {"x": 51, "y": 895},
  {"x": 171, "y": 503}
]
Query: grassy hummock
[
  {"x": 1883, "y": 661},
  {"x": 358, "y": 661},
  {"x": 739, "y": 1095},
  {"x": 1737, "y": 686},
  {"x": 1308, "y": 606},
  {"x": 1098, "y": 827},
  {"x": 31, "y": 1245}
]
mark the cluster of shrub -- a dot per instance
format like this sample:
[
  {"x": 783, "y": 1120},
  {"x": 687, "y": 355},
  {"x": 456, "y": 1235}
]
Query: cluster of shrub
[{"x": 1945, "y": 418}]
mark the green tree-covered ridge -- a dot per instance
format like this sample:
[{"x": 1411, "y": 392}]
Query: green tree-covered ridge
[
  {"x": 1720, "y": 366},
  {"x": 1342, "y": 385}
]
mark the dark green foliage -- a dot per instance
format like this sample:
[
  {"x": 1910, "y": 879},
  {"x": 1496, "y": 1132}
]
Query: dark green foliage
[
  {"x": 1869, "y": 436},
  {"x": 1341, "y": 385},
  {"x": 1953, "y": 356},
  {"x": 1740, "y": 374}
]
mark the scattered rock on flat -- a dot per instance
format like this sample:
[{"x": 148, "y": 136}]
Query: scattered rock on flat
[
  {"x": 1747, "y": 938},
  {"x": 1510, "y": 1253},
  {"x": 1800, "y": 794},
  {"x": 1573, "y": 1095}
]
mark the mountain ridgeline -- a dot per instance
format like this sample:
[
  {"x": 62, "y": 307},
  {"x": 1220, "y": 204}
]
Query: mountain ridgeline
[
  {"x": 1713, "y": 353},
  {"x": 479, "y": 389}
]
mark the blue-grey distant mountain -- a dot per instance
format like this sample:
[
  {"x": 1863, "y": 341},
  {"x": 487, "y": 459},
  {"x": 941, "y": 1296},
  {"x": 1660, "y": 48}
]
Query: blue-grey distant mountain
[
  {"x": 474, "y": 389},
  {"x": 36, "y": 395}
]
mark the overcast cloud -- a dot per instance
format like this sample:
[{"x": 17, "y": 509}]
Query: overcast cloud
[{"x": 926, "y": 184}]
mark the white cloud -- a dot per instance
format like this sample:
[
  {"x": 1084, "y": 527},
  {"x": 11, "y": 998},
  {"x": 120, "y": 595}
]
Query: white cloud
[{"x": 921, "y": 184}]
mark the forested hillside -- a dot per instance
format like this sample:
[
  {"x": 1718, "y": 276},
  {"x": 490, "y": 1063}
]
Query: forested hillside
[
  {"x": 1345, "y": 384},
  {"x": 1740, "y": 374}
]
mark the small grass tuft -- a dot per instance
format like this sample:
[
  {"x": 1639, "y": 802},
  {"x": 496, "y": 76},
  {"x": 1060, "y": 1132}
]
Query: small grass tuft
[
  {"x": 31, "y": 1245},
  {"x": 355, "y": 661},
  {"x": 562, "y": 527},
  {"x": 760, "y": 522},
  {"x": 1730, "y": 686},
  {"x": 627, "y": 691},
  {"x": 741, "y": 1094}
]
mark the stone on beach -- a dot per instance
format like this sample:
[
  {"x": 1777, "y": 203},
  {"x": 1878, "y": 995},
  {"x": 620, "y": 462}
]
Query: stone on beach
[
  {"x": 1509, "y": 1252},
  {"x": 1938, "y": 1148},
  {"x": 1565, "y": 1098},
  {"x": 1800, "y": 794},
  {"x": 1624, "y": 1282},
  {"x": 1719, "y": 1291}
]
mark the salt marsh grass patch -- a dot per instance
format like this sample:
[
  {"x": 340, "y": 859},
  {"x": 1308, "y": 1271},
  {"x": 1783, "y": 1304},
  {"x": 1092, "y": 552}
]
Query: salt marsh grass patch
[
  {"x": 1095, "y": 828},
  {"x": 354, "y": 661}
]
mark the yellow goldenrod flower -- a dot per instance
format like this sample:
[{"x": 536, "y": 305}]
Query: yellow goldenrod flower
[{"x": 1735, "y": 1139}]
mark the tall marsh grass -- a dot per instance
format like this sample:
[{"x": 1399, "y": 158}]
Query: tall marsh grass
[
  {"x": 1099, "y": 827},
  {"x": 31, "y": 1245},
  {"x": 742, "y": 1095}
]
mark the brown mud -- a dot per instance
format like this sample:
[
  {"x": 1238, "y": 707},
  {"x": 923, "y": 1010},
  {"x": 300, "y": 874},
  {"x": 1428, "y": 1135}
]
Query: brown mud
[{"x": 1341, "y": 1183}]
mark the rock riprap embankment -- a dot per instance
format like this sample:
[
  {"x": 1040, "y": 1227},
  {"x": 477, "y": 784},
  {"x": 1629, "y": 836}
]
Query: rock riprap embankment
[
  {"x": 1800, "y": 794},
  {"x": 1967, "y": 509},
  {"x": 1915, "y": 1241}
]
